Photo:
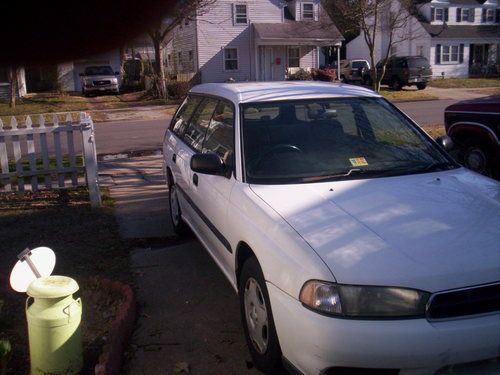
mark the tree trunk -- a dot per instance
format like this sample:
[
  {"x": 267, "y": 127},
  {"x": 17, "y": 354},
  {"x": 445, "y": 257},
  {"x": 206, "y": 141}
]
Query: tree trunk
[
  {"x": 13, "y": 86},
  {"x": 159, "y": 68}
]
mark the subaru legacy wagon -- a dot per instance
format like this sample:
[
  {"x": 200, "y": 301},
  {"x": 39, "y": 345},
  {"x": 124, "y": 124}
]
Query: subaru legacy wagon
[{"x": 354, "y": 242}]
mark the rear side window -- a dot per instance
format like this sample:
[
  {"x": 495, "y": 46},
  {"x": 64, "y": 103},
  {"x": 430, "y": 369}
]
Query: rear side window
[
  {"x": 219, "y": 138},
  {"x": 184, "y": 113},
  {"x": 359, "y": 64},
  {"x": 197, "y": 128},
  {"x": 418, "y": 63}
]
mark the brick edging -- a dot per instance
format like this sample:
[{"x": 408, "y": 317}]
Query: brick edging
[{"x": 111, "y": 359}]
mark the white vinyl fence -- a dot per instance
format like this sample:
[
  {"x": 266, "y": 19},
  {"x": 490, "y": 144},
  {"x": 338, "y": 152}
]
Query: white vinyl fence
[{"x": 48, "y": 155}]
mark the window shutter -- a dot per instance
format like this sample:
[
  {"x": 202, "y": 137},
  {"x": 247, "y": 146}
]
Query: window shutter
[
  {"x": 438, "y": 54},
  {"x": 461, "y": 54},
  {"x": 459, "y": 15},
  {"x": 471, "y": 14},
  {"x": 497, "y": 18},
  {"x": 484, "y": 16},
  {"x": 445, "y": 14},
  {"x": 433, "y": 14}
]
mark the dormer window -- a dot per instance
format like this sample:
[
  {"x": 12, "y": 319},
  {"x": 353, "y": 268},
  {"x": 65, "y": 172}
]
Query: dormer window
[
  {"x": 439, "y": 14},
  {"x": 240, "y": 14},
  {"x": 308, "y": 11},
  {"x": 465, "y": 14}
]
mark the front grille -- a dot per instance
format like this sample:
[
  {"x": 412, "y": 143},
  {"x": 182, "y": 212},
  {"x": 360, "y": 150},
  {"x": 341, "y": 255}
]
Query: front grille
[
  {"x": 475, "y": 300},
  {"x": 102, "y": 83}
]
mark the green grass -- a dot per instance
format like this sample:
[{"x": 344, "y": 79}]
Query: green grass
[
  {"x": 406, "y": 95},
  {"x": 453, "y": 83}
]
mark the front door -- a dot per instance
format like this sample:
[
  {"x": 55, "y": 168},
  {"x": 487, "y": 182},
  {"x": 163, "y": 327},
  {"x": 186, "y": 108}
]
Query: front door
[{"x": 266, "y": 62}]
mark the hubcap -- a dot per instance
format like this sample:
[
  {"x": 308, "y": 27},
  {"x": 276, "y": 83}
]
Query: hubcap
[
  {"x": 476, "y": 160},
  {"x": 256, "y": 315},
  {"x": 174, "y": 206}
]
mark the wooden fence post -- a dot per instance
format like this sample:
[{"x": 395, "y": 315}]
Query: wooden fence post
[{"x": 90, "y": 158}]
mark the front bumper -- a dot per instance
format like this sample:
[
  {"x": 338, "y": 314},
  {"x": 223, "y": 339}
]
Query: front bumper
[
  {"x": 104, "y": 88},
  {"x": 313, "y": 342}
]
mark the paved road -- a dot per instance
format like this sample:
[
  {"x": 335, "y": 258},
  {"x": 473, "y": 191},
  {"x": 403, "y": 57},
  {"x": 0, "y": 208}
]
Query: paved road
[{"x": 126, "y": 136}]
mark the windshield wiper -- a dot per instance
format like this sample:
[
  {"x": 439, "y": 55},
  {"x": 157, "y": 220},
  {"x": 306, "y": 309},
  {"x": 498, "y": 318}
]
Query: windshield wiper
[
  {"x": 334, "y": 176},
  {"x": 438, "y": 166}
]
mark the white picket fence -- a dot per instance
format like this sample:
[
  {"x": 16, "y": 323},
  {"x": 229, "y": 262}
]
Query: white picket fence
[{"x": 57, "y": 167}]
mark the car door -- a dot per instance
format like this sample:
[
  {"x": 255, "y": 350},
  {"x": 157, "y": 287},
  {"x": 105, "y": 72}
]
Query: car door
[
  {"x": 177, "y": 153},
  {"x": 211, "y": 193}
]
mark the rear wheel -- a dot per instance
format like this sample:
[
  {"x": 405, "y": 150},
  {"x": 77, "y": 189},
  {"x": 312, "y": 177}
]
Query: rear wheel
[
  {"x": 258, "y": 323},
  {"x": 396, "y": 84},
  {"x": 476, "y": 157},
  {"x": 421, "y": 86}
]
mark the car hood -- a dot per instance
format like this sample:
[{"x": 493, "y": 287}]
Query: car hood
[{"x": 433, "y": 231}]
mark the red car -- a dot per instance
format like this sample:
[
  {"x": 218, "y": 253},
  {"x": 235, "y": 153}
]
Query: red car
[{"x": 474, "y": 126}]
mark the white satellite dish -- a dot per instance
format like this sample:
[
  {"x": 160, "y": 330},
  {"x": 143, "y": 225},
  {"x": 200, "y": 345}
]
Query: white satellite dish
[{"x": 32, "y": 264}]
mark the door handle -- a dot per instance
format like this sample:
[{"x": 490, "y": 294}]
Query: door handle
[
  {"x": 174, "y": 158},
  {"x": 195, "y": 179}
]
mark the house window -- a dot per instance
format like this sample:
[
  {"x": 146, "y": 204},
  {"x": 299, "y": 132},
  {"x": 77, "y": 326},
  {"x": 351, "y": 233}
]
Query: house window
[
  {"x": 439, "y": 14},
  {"x": 230, "y": 59},
  {"x": 4, "y": 77},
  {"x": 293, "y": 57},
  {"x": 240, "y": 14},
  {"x": 179, "y": 60},
  {"x": 449, "y": 54},
  {"x": 308, "y": 11},
  {"x": 420, "y": 50},
  {"x": 190, "y": 54},
  {"x": 488, "y": 15}
]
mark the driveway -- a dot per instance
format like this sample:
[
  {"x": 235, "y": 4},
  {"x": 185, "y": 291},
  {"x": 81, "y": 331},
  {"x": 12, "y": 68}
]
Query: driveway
[{"x": 189, "y": 312}]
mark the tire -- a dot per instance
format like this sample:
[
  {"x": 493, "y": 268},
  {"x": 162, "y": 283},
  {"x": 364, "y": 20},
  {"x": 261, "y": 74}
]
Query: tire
[
  {"x": 180, "y": 227},
  {"x": 367, "y": 81},
  {"x": 476, "y": 156},
  {"x": 396, "y": 84},
  {"x": 254, "y": 305},
  {"x": 421, "y": 86}
]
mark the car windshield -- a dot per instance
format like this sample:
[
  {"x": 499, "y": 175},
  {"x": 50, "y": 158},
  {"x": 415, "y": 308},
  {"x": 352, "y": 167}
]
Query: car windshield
[
  {"x": 359, "y": 64},
  {"x": 333, "y": 139},
  {"x": 99, "y": 71}
]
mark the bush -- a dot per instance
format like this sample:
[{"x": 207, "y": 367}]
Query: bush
[
  {"x": 324, "y": 74},
  {"x": 300, "y": 75},
  {"x": 178, "y": 90}
]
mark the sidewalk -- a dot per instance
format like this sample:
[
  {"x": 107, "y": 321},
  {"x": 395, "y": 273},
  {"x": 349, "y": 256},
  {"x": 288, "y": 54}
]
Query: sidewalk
[
  {"x": 460, "y": 93},
  {"x": 190, "y": 314}
]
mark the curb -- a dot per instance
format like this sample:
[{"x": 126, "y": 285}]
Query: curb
[{"x": 111, "y": 359}]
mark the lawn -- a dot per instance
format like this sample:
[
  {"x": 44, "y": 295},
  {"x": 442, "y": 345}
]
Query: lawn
[
  {"x": 74, "y": 103},
  {"x": 86, "y": 243},
  {"x": 406, "y": 95},
  {"x": 455, "y": 83}
]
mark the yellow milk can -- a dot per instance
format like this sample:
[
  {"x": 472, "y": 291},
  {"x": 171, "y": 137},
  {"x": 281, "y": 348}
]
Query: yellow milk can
[{"x": 54, "y": 326}]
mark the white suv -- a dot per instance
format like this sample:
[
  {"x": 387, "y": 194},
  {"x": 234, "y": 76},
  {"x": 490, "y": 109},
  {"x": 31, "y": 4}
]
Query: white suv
[{"x": 353, "y": 240}]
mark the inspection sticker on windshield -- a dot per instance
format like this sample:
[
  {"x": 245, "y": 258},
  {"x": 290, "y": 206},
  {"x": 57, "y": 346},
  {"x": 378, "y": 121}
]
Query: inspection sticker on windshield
[{"x": 358, "y": 162}]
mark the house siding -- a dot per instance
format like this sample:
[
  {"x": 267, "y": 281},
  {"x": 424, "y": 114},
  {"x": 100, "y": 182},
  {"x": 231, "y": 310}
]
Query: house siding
[
  {"x": 216, "y": 31},
  {"x": 184, "y": 40}
]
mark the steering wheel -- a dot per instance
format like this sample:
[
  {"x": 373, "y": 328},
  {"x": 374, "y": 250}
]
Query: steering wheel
[{"x": 275, "y": 150}]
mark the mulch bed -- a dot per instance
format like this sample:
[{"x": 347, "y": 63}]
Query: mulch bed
[{"x": 88, "y": 249}]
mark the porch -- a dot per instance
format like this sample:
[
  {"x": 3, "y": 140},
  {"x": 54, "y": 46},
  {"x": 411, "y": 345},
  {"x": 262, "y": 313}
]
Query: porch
[
  {"x": 281, "y": 49},
  {"x": 484, "y": 60}
]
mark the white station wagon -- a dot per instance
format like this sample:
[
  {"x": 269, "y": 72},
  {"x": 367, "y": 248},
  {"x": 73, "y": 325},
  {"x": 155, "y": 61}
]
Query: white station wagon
[{"x": 355, "y": 243}]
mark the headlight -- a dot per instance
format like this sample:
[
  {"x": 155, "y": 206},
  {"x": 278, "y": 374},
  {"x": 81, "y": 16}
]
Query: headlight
[
  {"x": 357, "y": 301},
  {"x": 87, "y": 82},
  {"x": 114, "y": 80}
]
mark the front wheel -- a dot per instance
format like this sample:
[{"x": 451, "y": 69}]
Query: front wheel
[
  {"x": 476, "y": 157},
  {"x": 421, "y": 86},
  {"x": 180, "y": 227},
  {"x": 396, "y": 84},
  {"x": 258, "y": 323}
]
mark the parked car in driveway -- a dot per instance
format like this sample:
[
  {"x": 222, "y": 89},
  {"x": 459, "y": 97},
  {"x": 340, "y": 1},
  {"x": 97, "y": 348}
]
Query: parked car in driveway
[
  {"x": 474, "y": 125},
  {"x": 99, "y": 79},
  {"x": 354, "y": 70},
  {"x": 355, "y": 243},
  {"x": 403, "y": 71}
]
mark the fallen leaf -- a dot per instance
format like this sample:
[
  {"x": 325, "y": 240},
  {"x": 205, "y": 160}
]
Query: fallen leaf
[{"x": 181, "y": 367}]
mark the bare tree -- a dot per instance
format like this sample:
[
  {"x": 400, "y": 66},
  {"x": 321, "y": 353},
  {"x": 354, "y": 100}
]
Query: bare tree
[
  {"x": 185, "y": 10},
  {"x": 13, "y": 73},
  {"x": 373, "y": 19}
]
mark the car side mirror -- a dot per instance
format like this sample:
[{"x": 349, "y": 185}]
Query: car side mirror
[
  {"x": 209, "y": 163},
  {"x": 445, "y": 142}
]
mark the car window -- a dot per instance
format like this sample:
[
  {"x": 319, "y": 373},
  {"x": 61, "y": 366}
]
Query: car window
[
  {"x": 359, "y": 64},
  {"x": 219, "y": 137},
  {"x": 316, "y": 139},
  {"x": 99, "y": 71},
  {"x": 184, "y": 113},
  {"x": 418, "y": 62},
  {"x": 195, "y": 131}
]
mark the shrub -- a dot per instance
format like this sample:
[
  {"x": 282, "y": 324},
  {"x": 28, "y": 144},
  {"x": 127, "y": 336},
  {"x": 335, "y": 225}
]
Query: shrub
[
  {"x": 300, "y": 75},
  {"x": 178, "y": 90},
  {"x": 325, "y": 74}
]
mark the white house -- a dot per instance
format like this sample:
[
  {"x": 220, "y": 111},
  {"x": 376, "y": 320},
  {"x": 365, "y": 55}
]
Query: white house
[
  {"x": 460, "y": 38},
  {"x": 252, "y": 40}
]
